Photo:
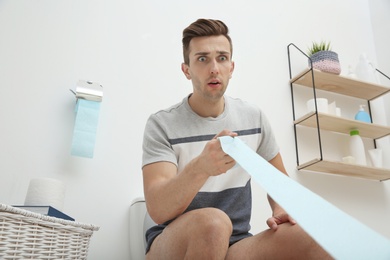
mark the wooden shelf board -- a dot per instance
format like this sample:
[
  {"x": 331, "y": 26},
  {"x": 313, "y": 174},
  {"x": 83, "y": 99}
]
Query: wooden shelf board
[
  {"x": 351, "y": 170},
  {"x": 340, "y": 84},
  {"x": 343, "y": 125}
]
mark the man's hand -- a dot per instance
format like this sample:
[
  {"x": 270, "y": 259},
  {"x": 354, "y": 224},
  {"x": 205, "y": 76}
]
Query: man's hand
[
  {"x": 278, "y": 218},
  {"x": 213, "y": 160},
  {"x": 279, "y": 215},
  {"x": 225, "y": 133}
]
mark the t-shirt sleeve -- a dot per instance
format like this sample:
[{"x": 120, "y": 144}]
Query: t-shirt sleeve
[
  {"x": 268, "y": 147},
  {"x": 156, "y": 146}
]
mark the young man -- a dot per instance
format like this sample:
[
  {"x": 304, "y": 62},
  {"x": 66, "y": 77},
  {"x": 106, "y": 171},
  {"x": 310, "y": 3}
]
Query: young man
[{"x": 200, "y": 201}]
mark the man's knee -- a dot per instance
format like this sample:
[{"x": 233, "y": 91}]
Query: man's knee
[
  {"x": 212, "y": 221},
  {"x": 211, "y": 233},
  {"x": 202, "y": 233}
]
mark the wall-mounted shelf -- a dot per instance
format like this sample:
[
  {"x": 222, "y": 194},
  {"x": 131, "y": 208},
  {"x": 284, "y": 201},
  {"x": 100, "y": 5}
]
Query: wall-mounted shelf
[
  {"x": 351, "y": 170},
  {"x": 343, "y": 125},
  {"x": 340, "y": 84},
  {"x": 318, "y": 80}
]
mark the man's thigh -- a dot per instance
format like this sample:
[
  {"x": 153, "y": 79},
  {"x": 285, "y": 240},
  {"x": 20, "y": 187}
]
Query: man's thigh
[
  {"x": 188, "y": 232},
  {"x": 171, "y": 243},
  {"x": 287, "y": 242}
]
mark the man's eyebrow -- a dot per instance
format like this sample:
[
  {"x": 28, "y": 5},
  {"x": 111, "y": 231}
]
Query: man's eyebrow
[{"x": 203, "y": 53}]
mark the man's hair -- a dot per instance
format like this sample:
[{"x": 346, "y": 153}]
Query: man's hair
[{"x": 203, "y": 27}]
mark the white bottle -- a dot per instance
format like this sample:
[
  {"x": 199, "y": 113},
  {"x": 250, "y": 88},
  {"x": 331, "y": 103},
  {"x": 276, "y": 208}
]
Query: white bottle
[
  {"x": 351, "y": 73},
  {"x": 356, "y": 148},
  {"x": 365, "y": 70}
]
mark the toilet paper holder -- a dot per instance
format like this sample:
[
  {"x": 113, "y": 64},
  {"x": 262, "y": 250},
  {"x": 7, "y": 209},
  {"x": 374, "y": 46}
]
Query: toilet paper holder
[{"x": 88, "y": 90}]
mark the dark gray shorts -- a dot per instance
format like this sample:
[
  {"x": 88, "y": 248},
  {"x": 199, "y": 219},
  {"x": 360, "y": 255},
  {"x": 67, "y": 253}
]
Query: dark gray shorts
[{"x": 153, "y": 232}]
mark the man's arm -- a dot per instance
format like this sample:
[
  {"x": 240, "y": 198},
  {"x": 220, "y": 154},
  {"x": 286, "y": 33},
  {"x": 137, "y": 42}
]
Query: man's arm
[
  {"x": 279, "y": 215},
  {"x": 169, "y": 193}
]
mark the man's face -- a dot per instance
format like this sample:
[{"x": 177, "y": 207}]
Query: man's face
[{"x": 210, "y": 66}]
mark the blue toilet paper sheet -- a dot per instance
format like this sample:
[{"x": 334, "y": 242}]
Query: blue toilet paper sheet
[
  {"x": 339, "y": 234},
  {"x": 85, "y": 128}
]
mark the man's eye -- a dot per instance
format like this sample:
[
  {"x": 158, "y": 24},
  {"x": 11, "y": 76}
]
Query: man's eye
[
  {"x": 202, "y": 59},
  {"x": 223, "y": 58}
]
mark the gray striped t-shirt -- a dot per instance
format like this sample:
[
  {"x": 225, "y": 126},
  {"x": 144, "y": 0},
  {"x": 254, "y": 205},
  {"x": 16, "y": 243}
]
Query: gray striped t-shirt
[{"x": 178, "y": 134}]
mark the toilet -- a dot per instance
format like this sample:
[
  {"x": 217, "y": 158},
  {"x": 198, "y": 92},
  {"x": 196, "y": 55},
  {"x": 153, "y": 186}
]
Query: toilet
[{"x": 140, "y": 221}]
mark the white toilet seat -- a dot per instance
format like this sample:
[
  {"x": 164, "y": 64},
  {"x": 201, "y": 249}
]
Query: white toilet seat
[{"x": 140, "y": 222}]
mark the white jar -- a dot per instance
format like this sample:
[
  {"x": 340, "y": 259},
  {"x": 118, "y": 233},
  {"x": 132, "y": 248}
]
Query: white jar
[{"x": 322, "y": 105}]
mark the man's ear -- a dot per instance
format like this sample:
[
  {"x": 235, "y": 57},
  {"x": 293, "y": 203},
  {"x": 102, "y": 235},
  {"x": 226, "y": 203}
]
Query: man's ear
[
  {"x": 185, "y": 69},
  {"x": 231, "y": 70}
]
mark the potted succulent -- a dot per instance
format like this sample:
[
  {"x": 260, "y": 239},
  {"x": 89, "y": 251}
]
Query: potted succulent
[{"x": 323, "y": 58}]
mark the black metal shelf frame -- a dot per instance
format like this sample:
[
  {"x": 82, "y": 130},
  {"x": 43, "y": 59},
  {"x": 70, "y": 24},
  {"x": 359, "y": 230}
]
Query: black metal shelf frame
[{"x": 292, "y": 99}]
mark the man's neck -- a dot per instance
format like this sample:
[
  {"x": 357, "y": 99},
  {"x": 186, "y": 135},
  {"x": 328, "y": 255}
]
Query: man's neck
[{"x": 207, "y": 108}]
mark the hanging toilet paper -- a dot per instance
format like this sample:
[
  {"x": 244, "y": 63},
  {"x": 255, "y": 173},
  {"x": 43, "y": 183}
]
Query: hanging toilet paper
[
  {"x": 84, "y": 133},
  {"x": 338, "y": 233},
  {"x": 45, "y": 192}
]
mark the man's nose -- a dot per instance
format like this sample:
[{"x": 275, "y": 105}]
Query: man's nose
[{"x": 214, "y": 69}]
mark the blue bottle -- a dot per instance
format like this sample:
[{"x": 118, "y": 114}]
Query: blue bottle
[{"x": 362, "y": 115}]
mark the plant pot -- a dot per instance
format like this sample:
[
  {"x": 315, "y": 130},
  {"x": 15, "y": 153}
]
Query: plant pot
[{"x": 326, "y": 61}]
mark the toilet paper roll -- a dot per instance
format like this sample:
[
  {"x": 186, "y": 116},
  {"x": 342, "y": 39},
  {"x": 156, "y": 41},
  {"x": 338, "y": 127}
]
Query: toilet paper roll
[
  {"x": 45, "y": 192},
  {"x": 84, "y": 133}
]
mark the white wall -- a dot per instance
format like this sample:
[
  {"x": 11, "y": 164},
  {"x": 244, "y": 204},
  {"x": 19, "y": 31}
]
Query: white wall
[
  {"x": 381, "y": 27},
  {"x": 133, "y": 48}
]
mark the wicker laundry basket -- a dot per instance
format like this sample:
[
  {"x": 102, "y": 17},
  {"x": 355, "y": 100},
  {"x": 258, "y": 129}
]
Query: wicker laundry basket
[{"x": 28, "y": 235}]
